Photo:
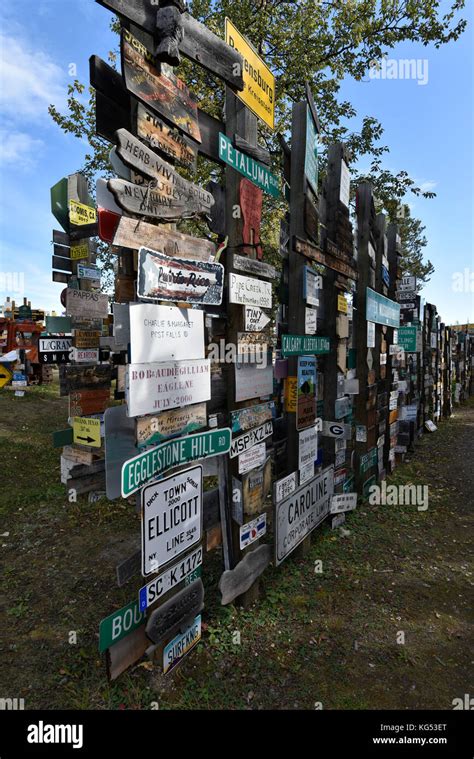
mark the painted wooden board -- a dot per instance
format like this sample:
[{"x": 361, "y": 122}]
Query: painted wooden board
[
  {"x": 163, "y": 386},
  {"x": 85, "y": 303},
  {"x": 235, "y": 582},
  {"x": 255, "y": 320},
  {"x": 251, "y": 199},
  {"x": 165, "y": 333},
  {"x": 253, "y": 266},
  {"x": 93, "y": 377},
  {"x": 126, "y": 652},
  {"x": 249, "y": 291},
  {"x": 253, "y": 416},
  {"x": 156, "y": 133},
  {"x": 163, "y": 202},
  {"x": 134, "y": 234},
  {"x": 151, "y": 430},
  {"x": 163, "y": 278}
]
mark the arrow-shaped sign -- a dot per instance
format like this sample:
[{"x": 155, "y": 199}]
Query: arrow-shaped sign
[
  {"x": 5, "y": 376},
  {"x": 255, "y": 319}
]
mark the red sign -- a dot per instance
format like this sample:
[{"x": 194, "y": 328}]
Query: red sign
[{"x": 251, "y": 207}]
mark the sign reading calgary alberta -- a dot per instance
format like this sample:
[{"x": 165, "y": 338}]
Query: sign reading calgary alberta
[
  {"x": 245, "y": 165},
  {"x": 298, "y": 345},
  {"x": 164, "y": 278},
  {"x": 259, "y": 83}
]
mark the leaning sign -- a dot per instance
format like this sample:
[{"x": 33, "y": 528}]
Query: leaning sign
[
  {"x": 248, "y": 167},
  {"x": 382, "y": 310},
  {"x": 299, "y": 514}
]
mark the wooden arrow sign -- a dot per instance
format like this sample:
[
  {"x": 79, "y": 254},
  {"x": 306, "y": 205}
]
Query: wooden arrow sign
[
  {"x": 172, "y": 198},
  {"x": 134, "y": 234}
]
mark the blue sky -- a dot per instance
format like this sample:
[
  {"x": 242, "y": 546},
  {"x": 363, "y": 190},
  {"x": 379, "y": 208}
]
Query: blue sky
[{"x": 429, "y": 129}]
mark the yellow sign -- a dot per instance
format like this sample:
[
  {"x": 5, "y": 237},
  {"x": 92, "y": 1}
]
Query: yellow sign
[
  {"x": 291, "y": 387},
  {"x": 259, "y": 83},
  {"x": 86, "y": 431},
  {"x": 80, "y": 214},
  {"x": 342, "y": 304},
  {"x": 79, "y": 251},
  {"x": 5, "y": 376}
]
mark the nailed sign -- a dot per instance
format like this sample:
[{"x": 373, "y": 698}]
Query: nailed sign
[
  {"x": 131, "y": 233},
  {"x": 86, "y": 431},
  {"x": 159, "y": 586},
  {"x": 248, "y": 167},
  {"x": 166, "y": 385},
  {"x": 174, "y": 615},
  {"x": 312, "y": 283},
  {"x": 54, "y": 350},
  {"x": 86, "y": 303},
  {"x": 307, "y": 447},
  {"x": 249, "y": 291},
  {"x": 164, "y": 278},
  {"x": 165, "y": 333},
  {"x": 255, "y": 319},
  {"x": 253, "y": 531},
  {"x": 306, "y": 392},
  {"x": 250, "y": 438},
  {"x": 154, "y": 429},
  {"x": 175, "y": 651},
  {"x": 171, "y": 518},
  {"x": 245, "y": 418},
  {"x": 382, "y": 310},
  {"x": 298, "y": 345},
  {"x": 119, "y": 624},
  {"x": 253, "y": 266},
  {"x": 252, "y": 381},
  {"x": 160, "y": 136},
  {"x": 161, "y": 201}
]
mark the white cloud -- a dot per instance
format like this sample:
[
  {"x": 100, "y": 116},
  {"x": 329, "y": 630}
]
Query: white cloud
[
  {"x": 428, "y": 186},
  {"x": 18, "y": 148}
]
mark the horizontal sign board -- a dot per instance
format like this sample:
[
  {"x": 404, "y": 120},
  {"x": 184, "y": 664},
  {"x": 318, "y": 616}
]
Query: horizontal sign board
[
  {"x": 137, "y": 471},
  {"x": 159, "y": 586},
  {"x": 250, "y": 438},
  {"x": 299, "y": 514},
  {"x": 171, "y": 518},
  {"x": 285, "y": 487},
  {"x": 163, "y": 278},
  {"x": 165, "y": 333},
  {"x": 343, "y": 502},
  {"x": 155, "y": 429},
  {"x": 175, "y": 651},
  {"x": 248, "y": 291},
  {"x": 85, "y": 355},
  {"x": 298, "y": 345},
  {"x": 245, "y": 418},
  {"x": 252, "y": 381},
  {"x": 86, "y": 431},
  {"x": 175, "y": 614},
  {"x": 407, "y": 283},
  {"x": 162, "y": 386},
  {"x": 88, "y": 272},
  {"x": 86, "y": 338},
  {"x": 252, "y": 531},
  {"x": 253, "y": 266},
  {"x": 250, "y": 168},
  {"x": 85, "y": 303},
  {"x": 54, "y": 350},
  {"x": 134, "y": 234},
  {"x": 409, "y": 338},
  {"x": 87, "y": 377},
  {"x": 255, "y": 320},
  {"x": 119, "y": 624},
  {"x": 81, "y": 214},
  {"x": 252, "y": 458},
  {"x": 234, "y": 582},
  {"x": 337, "y": 430},
  {"x": 58, "y": 324},
  {"x": 382, "y": 310},
  {"x": 168, "y": 140}
]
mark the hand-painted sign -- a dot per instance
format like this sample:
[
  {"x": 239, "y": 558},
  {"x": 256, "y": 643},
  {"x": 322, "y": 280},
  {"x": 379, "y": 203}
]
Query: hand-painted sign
[
  {"x": 250, "y": 438},
  {"x": 171, "y": 518},
  {"x": 86, "y": 431},
  {"x": 382, "y": 310},
  {"x": 299, "y": 514},
  {"x": 86, "y": 303},
  {"x": 245, "y": 418},
  {"x": 84, "y": 377},
  {"x": 253, "y": 266},
  {"x": 153, "y": 462},
  {"x": 298, "y": 345},
  {"x": 176, "y": 613},
  {"x": 255, "y": 319},
  {"x": 249, "y": 291},
  {"x": 175, "y": 651},
  {"x": 86, "y": 338},
  {"x": 155, "y": 429},
  {"x": 165, "y": 333},
  {"x": 252, "y": 381},
  {"x": 54, "y": 350},
  {"x": 253, "y": 531},
  {"x": 161, "y": 201},
  {"x": 306, "y": 398},
  {"x": 307, "y": 447},
  {"x": 259, "y": 83},
  {"x": 248, "y": 167},
  {"x": 284, "y": 487},
  {"x": 131, "y": 233},
  {"x": 163, "y": 92},
  {"x": 167, "y": 580},
  {"x": 160, "y": 136},
  {"x": 84, "y": 402},
  {"x": 164, "y": 278},
  {"x": 166, "y": 385},
  {"x": 119, "y": 624}
]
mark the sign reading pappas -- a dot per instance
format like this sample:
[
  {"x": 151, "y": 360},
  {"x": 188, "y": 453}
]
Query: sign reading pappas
[
  {"x": 259, "y": 83},
  {"x": 177, "y": 279},
  {"x": 87, "y": 304}
]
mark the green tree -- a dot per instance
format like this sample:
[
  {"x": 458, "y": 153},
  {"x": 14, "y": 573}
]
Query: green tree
[{"x": 319, "y": 41}]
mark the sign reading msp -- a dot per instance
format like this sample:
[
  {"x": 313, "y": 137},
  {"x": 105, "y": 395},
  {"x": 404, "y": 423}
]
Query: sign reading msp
[{"x": 259, "y": 83}]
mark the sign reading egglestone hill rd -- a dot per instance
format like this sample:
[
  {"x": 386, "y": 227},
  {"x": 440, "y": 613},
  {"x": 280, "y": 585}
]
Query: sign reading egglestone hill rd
[
  {"x": 177, "y": 279},
  {"x": 171, "y": 518},
  {"x": 299, "y": 345},
  {"x": 299, "y": 514},
  {"x": 382, "y": 310},
  {"x": 137, "y": 471},
  {"x": 259, "y": 83},
  {"x": 248, "y": 167}
]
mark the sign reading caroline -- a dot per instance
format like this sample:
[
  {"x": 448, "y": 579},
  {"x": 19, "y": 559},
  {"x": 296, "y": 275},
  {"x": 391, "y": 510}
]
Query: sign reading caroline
[
  {"x": 259, "y": 83},
  {"x": 178, "y": 279}
]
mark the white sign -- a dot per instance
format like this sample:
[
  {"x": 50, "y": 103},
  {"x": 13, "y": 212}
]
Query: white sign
[
  {"x": 85, "y": 355},
  {"x": 307, "y": 447},
  {"x": 407, "y": 283},
  {"x": 252, "y": 381},
  {"x": 160, "y": 585},
  {"x": 343, "y": 502},
  {"x": 306, "y": 473},
  {"x": 162, "y": 386},
  {"x": 253, "y": 531},
  {"x": 284, "y": 487},
  {"x": 165, "y": 333},
  {"x": 255, "y": 319},
  {"x": 250, "y": 438},
  {"x": 345, "y": 187},
  {"x": 249, "y": 291},
  {"x": 335, "y": 429},
  {"x": 299, "y": 514},
  {"x": 55, "y": 344},
  {"x": 252, "y": 458},
  {"x": 310, "y": 320},
  {"x": 171, "y": 518},
  {"x": 312, "y": 283},
  {"x": 370, "y": 335}
]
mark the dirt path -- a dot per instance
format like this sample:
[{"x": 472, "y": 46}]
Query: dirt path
[{"x": 332, "y": 638}]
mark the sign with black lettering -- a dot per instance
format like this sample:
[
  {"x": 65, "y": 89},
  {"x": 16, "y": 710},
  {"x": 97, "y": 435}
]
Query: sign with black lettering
[{"x": 54, "y": 350}]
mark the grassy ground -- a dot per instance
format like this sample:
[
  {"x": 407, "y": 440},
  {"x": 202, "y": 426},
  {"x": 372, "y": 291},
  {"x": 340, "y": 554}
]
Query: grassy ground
[{"x": 328, "y": 638}]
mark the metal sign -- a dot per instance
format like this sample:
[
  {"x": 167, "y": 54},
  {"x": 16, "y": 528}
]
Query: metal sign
[
  {"x": 155, "y": 429},
  {"x": 153, "y": 462},
  {"x": 343, "y": 502},
  {"x": 163, "y": 278},
  {"x": 258, "y": 93},
  {"x": 382, "y": 310},
  {"x": 175, "y": 651},
  {"x": 161, "y": 585},
  {"x": 409, "y": 339},
  {"x": 249, "y": 291},
  {"x": 165, "y": 333},
  {"x": 171, "y": 518},
  {"x": 311, "y": 151},
  {"x": 81, "y": 214},
  {"x": 252, "y": 381},
  {"x": 85, "y": 355},
  {"x": 298, "y": 345},
  {"x": 253, "y": 531},
  {"x": 337, "y": 430},
  {"x": 299, "y": 514},
  {"x": 119, "y": 624},
  {"x": 245, "y": 418},
  {"x": 407, "y": 283},
  {"x": 6, "y": 376},
  {"x": 252, "y": 458},
  {"x": 284, "y": 487},
  {"x": 54, "y": 350},
  {"x": 306, "y": 392},
  {"x": 166, "y": 385},
  {"x": 86, "y": 431},
  {"x": 248, "y": 167},
  {"x": 312, "y": 283},
  {"x": 250, "y": 438}
]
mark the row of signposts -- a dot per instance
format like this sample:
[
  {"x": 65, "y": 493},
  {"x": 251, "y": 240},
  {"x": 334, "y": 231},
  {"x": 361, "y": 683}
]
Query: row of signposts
[{"x": 239, "y": 421}]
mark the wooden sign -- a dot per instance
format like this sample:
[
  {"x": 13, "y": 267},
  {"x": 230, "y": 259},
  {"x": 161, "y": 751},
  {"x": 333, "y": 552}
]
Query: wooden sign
[
  {"x": 164, "y": 93},
  {"x": 54, "y": 350},
  {"x": 311, "y": 151},
  {"x": 299, "y": 514},
  {"x": 254, "y": 416},
  {"x": 86, "y": 431},
  {"x": 85, "y": 402},
  {"x": 170, "y": 185},
  {"x": 160, "y": 136},
  {"x": 249, "y": 291},
  {"x": 164, "y": 202},
  {"x": 163, "y": 386},
  {"x": 177, "y": 279},
  {"x": 169, "y": 531},
  {"x": 299, "y": 345},
  {"x": 165, "y": 333},
  {"x": 252, "y": 381},
  {"x": 86, "y": 338},
  {"x": 58, "y": 324},
  {"x": 131, "y": 233},
  {"x": 235, "y": 582},
  {"x": 306, "y": 392},
  {"x": 250, "y": 438},
  {"x": 253, "y": 170},
  {"x": 86, "y": 303},
  {"x": 154, "y": 429},
  {"x": 94, "y": 377},
  {"x": 252, "y": 266},
  {"x": 251, "y": 198},
  {"x": 255, "y": 320}
]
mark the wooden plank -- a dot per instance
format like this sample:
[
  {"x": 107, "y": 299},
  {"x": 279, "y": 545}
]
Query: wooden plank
[
  {"x": 135, "y": 234},
  {"x": 159, "y": 136},
  {"x": 177, "y": 613},
  {"x": 235, "y": 582},
  {"x": 87, "y": 376},
  {"x": 143, "y": 200},
  {"x": 126, "y": 652},
  {"x": 63, "y": 264},
  {"x": 62, "y": 277},
  {"x": 256, "y": 151}
]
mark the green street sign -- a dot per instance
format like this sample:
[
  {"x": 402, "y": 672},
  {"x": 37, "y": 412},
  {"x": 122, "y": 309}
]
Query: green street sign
[
  {"x": 382, "y": 310},
  {"x": 119, "y": 624},
  {"x": 137, "y": 471},
  {"x": 407, "y": 339},
  {"x": 302, "y": 345},
  {"x": 248, "y": 167}
]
